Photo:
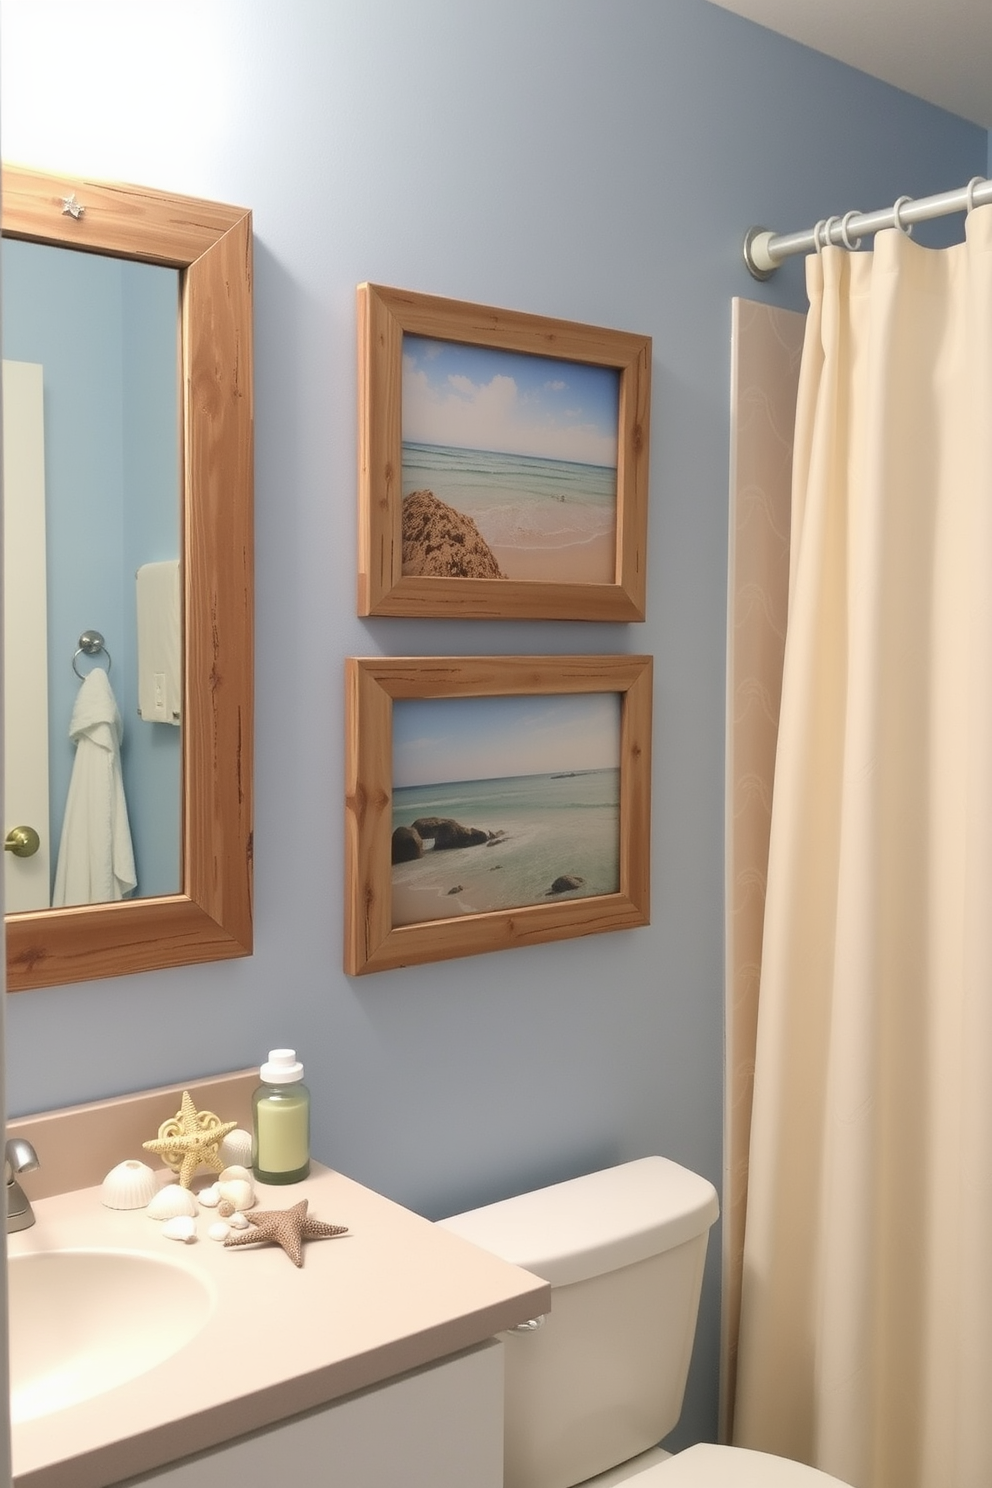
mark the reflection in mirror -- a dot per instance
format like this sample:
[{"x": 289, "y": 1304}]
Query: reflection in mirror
[
  {"x": 194, "y": 555},
  {"x": 99, "y": 335}
]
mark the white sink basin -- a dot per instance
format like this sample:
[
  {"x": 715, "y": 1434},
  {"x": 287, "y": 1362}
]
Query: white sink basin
[{"x": 85, "y": 1321}]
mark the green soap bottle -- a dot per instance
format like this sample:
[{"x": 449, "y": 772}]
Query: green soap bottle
[{"x": 280, "y": 1148}]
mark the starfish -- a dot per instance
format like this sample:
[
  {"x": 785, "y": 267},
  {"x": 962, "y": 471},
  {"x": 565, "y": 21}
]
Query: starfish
[
  {"x": 286, "y": 1227},
  {"x": 190, "y": 1139}
]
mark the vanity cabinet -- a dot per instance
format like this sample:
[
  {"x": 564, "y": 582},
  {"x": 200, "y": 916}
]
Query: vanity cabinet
[{"x": 436, "y": 1427}]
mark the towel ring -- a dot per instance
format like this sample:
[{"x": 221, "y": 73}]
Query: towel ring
[{"x": 90, "y": 644}]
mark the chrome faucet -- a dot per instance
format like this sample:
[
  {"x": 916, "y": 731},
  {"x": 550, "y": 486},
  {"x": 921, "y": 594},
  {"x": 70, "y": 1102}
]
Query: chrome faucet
[{"x": 19, "y": 1157}]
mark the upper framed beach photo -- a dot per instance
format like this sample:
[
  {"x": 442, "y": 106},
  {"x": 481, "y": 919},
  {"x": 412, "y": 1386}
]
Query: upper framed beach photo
[
  {"x": 503, "y": 463},
  {"x": 493, "y": 801}
]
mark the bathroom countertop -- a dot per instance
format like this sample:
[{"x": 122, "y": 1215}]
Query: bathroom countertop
[{"x": 395, "y": 1293}]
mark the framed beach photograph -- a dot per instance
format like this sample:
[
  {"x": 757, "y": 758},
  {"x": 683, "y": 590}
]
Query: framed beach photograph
[
  {"x": 503, "y": 462},
  {"x": 493, "y": 801}
]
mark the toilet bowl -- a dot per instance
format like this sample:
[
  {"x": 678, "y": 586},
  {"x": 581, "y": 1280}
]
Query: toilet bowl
[{"x": 592, "y": 1388}]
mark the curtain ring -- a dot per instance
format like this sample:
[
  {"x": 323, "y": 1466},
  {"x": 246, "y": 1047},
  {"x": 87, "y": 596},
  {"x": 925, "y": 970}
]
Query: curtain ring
[
  {"x": 816, "y": 236},
  {"x": 828, "y": 228},
  {"x": 845, "y": 232},
  {"x": 903, "y": 201},
  {"x": 969, "y": 193}
]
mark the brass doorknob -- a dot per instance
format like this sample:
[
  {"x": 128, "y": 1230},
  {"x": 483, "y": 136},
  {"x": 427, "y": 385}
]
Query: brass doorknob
[{"x": 23, "y": 842}]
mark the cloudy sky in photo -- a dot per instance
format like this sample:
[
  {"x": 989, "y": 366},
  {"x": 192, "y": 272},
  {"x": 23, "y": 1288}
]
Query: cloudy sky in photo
[{"x": 476, "y": 397}]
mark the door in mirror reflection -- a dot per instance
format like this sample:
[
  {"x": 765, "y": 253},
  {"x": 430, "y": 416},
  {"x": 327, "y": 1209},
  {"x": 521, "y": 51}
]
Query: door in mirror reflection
[{"x": 102, "y": 334}]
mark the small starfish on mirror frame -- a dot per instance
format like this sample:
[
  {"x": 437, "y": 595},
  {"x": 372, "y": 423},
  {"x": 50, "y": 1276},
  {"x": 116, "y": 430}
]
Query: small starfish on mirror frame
[
  {"x": 286, "y": 1227},
  {"x": 190, "y": 1139}
]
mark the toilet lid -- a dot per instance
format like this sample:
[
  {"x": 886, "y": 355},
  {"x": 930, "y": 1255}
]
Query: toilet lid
[{"x": 707, "y": 1466}]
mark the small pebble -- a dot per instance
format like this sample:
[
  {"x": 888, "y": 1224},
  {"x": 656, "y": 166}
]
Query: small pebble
[
  {"x": 219, "y": 1230},
  {"x": 180, "y": 1227},
  {"x": 239, "y": 1221}
]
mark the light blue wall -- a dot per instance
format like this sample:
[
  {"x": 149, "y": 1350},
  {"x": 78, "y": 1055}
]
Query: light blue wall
[
  {"x": 592, "y": 159},
  {"x": 111, "y": 489}
]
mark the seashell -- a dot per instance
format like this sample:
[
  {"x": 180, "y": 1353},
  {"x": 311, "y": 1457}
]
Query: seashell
[
  {"x": 238, "y": 1192},
  {"x": 171, "y": 1202},
  {"x": 236, "y": 1148},
  {"x": 239, "y": 1221},
  {"x": 219, "y": 1230},
  {"x": 209, "y": 1197},
  {"x": 235, "y": 1171},
  {"x": 128, "y": 1186},
  {"x": 226, "y": 1208},
  {"x": 180, "y": 1227}
]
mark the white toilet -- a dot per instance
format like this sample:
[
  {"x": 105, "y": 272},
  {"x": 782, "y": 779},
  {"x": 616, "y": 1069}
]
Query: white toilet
[{"x": 591, "y": 1388}]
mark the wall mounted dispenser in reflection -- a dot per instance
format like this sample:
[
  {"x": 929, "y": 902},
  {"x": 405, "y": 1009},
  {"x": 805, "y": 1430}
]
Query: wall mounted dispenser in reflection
[{"x": 160, "y": 696}]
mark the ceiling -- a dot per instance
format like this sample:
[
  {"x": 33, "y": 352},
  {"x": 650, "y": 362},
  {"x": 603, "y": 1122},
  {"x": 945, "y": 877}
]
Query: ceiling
[{"x": 938, "y": 49}]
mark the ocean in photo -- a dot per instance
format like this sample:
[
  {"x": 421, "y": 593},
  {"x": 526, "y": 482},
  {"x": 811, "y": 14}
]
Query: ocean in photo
[
  {"x": 518, "y": 501},
  {"x": 555, "y": 825}
]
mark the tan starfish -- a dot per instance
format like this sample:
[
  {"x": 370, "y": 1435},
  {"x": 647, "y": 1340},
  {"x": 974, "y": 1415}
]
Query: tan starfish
[
  {"x": 190, "y": 1139},
  {"x": 286, "y": 1227}
]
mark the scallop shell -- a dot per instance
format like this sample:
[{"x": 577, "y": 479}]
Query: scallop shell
[
  {"x": 234, "y": 1172},
  {"x": 238, "y": 1192},
  {"x": 171, "y": 1202},
  {"x": 209, "y": 1198},
  {"x": 236, "y": 1148},
  {"x": 219, "y": 1230},
  {"x": 128, "y": 1186},
  {"x": 180, "y": 1227}
]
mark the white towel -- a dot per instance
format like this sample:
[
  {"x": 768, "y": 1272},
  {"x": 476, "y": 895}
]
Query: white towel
[
  {"x": 96, "y": 859},
  {"x": 160, "y": 676}
]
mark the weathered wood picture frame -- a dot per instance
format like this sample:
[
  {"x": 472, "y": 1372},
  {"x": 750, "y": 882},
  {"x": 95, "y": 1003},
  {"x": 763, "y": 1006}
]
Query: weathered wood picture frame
[
  {"x": 373, "y": 942},
  {"x": 560, "y": 413}
]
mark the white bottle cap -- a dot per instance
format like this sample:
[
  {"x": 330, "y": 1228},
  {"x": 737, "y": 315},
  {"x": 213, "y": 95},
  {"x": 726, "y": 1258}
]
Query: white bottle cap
[{"x": 281, "y": 1068}]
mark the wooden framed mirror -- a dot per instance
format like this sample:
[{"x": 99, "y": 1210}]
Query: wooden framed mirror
[{"x": 210, "y": 245}]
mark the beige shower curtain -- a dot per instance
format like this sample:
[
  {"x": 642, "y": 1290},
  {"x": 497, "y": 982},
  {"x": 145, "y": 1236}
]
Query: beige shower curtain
[{"x": 866, "y": 1328}]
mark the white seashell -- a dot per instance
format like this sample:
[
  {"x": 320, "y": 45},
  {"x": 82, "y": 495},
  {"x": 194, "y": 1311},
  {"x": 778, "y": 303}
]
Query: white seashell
[
  {"x": 180, "y": 1227},
  {"x": 128, "y": 1186},
  {"x": 219, "y": 1230},
  {"x": 236, "y": 1148},
  {"x": 238, "y": 1192},
  {"x": 172, "y": 1201},
  {"x": 234, "y": 1172},
  {"x": 209, "y": 1197},
  {"x": 239, "y": 1221}
]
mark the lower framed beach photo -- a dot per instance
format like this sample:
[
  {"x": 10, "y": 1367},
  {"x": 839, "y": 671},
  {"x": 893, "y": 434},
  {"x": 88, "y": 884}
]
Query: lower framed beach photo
[{"x": 493, "y": 801}]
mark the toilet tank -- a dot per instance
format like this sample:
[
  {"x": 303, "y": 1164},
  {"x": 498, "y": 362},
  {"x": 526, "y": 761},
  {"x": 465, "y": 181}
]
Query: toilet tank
[{"x": 602, "y": 1377}]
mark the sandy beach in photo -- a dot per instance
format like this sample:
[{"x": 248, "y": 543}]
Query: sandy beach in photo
[
  {"x": 522, "y": 446},
  {"x": 591, "y": 562},
  {"x": 545, "y": 830}
]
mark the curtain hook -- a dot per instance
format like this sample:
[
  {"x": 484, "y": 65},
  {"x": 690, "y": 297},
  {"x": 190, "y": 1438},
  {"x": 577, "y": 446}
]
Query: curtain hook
[
  {"x": 969, "y": 193},
  {"x": 816, "y": 236},
  {"x": 828, "y": 228},
  {"x": 845, "y": 231},
  {"x": 903, "y": 201}
]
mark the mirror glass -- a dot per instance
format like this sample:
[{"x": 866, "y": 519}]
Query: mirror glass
[
  {"x": 97, "y": 336},
  {"x": 156, "y": 433}
]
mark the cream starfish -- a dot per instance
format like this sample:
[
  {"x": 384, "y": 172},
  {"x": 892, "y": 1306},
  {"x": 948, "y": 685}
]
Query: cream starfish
[
  {"x": 286, "y": 1227},
  {"x": 190, "y": 1139}
]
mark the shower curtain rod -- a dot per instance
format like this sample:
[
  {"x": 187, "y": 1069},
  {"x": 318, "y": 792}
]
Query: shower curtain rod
[{"x": 764, "y": 250}]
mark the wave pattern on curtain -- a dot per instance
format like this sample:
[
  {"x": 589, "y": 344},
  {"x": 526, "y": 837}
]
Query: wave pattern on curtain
[{"x": 866, "y": 1332}]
